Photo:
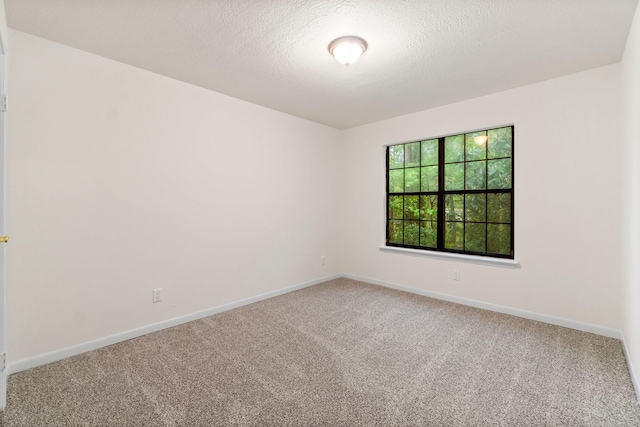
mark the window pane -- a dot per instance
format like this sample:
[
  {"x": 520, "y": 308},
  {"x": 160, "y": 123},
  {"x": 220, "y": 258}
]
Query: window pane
[
  {"x": 396, "y": 181},
  {"x": 429, "y": 178},
  {"x": 499, "y": 144},
  {"x": 475, "y": 237},
  {"x": 412, "y": 154},
  {"x": 453, "y": 206},
  {"x": 475, "y": 207},
  {"x": 474, "y": 151},
  {"x": 500, "y": 173},
  {"x": 411, "y": 207},
  {"x": 499, "y": 239},
  {"x": 429, "y": 152},
  {"x": 395, "y": 207},
  {"x": 411, "y": 233},
  {"x": 453, "y": 238},
  {"x": 454, "y": 149},
  {"x": 499, "y": 207},
  {"x": 412, "y": 180},
  {"x": 395, "y": 231},
  {"x": 429, "y": 207},
  {"x": 428, "y": 234},
  {"x": 453, "y": 188},
  {"x": 454, "y": 176},
  {"x": 475, "y": 175},
  {"x": 396, "y": 156}
]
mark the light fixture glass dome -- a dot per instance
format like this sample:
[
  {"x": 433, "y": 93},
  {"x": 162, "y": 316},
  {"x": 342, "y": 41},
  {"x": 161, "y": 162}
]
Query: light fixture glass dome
[{"x": 348, "y": 49}]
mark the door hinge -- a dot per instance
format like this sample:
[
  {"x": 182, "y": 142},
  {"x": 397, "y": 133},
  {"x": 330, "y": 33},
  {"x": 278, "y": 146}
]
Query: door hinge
[
  {"x": 5, "y": 103},
  {"x": 3, "y": 362}
]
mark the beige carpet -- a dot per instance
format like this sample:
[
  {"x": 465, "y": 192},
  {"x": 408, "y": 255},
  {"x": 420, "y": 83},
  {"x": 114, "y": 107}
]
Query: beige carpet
[{"x": 342, "y": 353}]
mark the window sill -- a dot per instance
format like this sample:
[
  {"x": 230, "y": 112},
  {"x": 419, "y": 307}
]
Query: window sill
[{"x": 472, "y": 259}]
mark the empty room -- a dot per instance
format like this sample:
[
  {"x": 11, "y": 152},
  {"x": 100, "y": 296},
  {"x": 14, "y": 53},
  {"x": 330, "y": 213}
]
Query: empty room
[{"x": 320, "y": 212}]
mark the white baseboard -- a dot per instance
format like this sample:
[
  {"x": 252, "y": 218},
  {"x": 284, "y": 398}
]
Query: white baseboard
[
  {"x": 56, "y": 355},
  {"x": 559, "y": 321},
  {"x": 632, "y": 372}
]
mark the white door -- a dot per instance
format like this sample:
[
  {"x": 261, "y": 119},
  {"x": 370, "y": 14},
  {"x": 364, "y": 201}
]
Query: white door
[{"x": 3, "y": 229}]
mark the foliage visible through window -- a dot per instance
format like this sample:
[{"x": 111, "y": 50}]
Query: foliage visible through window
[{"x": 453, "y": 194}]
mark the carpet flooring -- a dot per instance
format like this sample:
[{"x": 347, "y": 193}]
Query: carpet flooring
[{"x": 341, "y": 353}]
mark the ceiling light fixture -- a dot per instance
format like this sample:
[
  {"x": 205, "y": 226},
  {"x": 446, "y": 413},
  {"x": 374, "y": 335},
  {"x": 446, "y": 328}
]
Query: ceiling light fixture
[{"x": 347, "y": 49}]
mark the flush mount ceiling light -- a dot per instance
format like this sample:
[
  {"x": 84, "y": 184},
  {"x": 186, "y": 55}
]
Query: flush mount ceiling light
[{"x": 347, "y": 49}]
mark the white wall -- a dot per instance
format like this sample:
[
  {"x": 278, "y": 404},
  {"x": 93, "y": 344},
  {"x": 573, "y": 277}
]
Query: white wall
[
  {"x": 568, "y": 199},
  {"x": 3, "y": 26},
  {"x": 630, "y": 90},
  {"x": 121, "y": 181}
]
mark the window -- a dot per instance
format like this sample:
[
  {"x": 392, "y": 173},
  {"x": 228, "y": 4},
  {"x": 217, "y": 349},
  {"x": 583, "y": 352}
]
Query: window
[{"x": 453, "y": 194}]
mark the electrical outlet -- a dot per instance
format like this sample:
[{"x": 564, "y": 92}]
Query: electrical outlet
[
  {"x": 323, "y": 261},
  {"x": 157, "y": 295},
  {"x": 456, "y": 275}
]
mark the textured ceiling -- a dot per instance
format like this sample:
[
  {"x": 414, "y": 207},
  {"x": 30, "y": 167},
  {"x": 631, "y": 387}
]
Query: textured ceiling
[{"x": 422, "y": 53}]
